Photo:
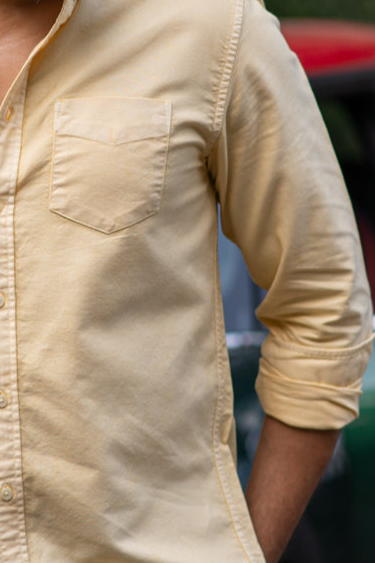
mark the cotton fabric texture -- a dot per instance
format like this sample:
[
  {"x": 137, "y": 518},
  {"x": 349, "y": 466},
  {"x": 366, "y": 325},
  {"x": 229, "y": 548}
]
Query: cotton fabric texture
[{"x": 126, "y": 126}]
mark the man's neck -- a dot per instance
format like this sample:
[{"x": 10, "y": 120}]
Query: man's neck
[
  {"x": 22, "y": 4},
  {"x": 29, "y": 6},
  {"x": 23, "y": 24}
]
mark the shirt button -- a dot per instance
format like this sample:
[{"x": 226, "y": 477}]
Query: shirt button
[
  {"x": 7, "y": 493},
  {"x": 4, "y": 401},
  {"x": 9, "y": 113},
  {"x": 2, "y": 300}
]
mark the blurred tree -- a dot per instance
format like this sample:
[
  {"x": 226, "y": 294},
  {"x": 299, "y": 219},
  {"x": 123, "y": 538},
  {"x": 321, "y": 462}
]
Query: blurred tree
[{"x": 349, "y": 9}]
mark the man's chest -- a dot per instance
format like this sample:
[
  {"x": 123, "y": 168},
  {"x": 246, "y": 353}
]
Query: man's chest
[{"x": 12, "y": 58}]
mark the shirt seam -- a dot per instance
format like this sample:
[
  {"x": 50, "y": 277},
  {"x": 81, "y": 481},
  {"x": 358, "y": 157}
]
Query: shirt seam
[
  {"x": 217, "y": 124},
  {"x": 226, "y": 76},
  {"x": 329, "y": 354},
  {"x": 230, "y": 505},
  {"x": 276, "y": 375}
]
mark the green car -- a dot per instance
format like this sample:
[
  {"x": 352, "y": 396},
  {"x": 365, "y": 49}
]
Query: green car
[{"x": 339, "y": 524}]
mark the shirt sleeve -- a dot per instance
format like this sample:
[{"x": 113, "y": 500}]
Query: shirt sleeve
[{"x": 284, "y": 203}]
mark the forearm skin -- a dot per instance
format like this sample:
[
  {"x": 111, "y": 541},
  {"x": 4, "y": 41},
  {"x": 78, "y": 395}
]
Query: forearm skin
[{"x": 288, "y": 465}]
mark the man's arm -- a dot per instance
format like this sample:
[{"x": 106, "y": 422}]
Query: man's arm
[
  {"x": 288, "y": 465},
  {"x": 284, "y": 203}
]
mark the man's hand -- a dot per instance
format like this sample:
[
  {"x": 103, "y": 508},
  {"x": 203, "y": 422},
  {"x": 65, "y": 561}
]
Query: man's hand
[{"x": 287, "y": 467}]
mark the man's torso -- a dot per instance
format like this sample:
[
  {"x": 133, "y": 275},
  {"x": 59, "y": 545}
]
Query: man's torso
[{"x": 114, "y": 234}]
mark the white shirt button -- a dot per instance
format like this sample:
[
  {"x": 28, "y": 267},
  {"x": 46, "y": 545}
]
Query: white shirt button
[
  {"x": 7, "y": 493},
  {"x": 4, "y": 401},
  {"x": 2, "y": 300}
]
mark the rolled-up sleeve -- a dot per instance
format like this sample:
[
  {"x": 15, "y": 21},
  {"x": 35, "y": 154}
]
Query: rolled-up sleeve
[{"x": 284, "y": 203}]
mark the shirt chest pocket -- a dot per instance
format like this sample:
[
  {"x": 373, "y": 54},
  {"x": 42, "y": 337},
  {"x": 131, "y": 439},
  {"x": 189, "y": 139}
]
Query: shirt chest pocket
[{"x": 109, "y": 158}]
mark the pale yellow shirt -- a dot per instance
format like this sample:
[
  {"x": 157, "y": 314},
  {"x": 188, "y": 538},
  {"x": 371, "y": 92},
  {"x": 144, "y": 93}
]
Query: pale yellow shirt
[{"x": 123, "y": 129}]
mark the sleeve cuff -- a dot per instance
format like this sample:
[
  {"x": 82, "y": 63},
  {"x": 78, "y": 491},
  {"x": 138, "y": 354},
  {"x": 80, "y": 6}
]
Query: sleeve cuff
[{"x": 322, "y": 388}]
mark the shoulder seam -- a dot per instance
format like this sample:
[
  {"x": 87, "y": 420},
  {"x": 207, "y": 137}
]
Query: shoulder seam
[{"x": 226, "y": 74}]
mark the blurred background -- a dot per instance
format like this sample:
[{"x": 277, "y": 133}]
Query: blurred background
[
  {"x": 360, "y": 10},
  {"x": 335, "y": 41}
]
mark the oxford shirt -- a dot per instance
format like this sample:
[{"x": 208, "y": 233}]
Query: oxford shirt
[{"x": 123, "y": 130}]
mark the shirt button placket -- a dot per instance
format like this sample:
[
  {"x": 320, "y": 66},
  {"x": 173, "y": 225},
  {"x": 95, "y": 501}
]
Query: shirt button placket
[
  {"x": 13, "y": 546},
  {"x": 4, "y": 400}
]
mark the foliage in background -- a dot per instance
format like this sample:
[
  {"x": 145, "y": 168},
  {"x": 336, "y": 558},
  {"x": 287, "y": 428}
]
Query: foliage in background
[{"x": 338, "y": 9}]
